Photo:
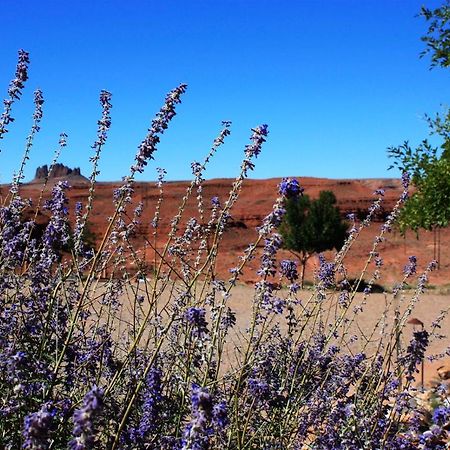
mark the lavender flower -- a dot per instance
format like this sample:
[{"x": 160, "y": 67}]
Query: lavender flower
[
  {"x": 159, "y": 125},
  {"x": 288, "y": 268},
  {"x": 195, "y": 317},
  {"x": 14, "y": 90},
  {"x": 196, "y": 435},
  {"x": 152, "y": 397},
  {"x": 290, "y": 188},
  {"x": 259, "y": 389},
  {"x": 57, "y": 231},
  {"x": 252, "y": 150},
  {"x": 207, "y": 420},
  {"x": 228, "y": 319},
  {"x": 273, "y": 220},
  {"x": 268, "y": 263},
  {"x": 105, "y": 122},
  {"x": 215, "y": 202},
  {"x": 220, "y": 415},
  {"x": 405, "y": 180},
  {"x": 441, "y": 415},
  {"x": 37, "y": 117},
  {"x": 410, "y": 268},
  {"x": 415, "y": 351},
  {"x": 37, "y": 427},
  {"x": 326, "y": 272},
  {"x": 161, "y": 175},
  {"x": 83, "y": 429}
]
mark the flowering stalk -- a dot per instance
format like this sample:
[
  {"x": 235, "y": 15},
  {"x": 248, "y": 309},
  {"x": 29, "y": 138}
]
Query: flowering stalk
[
  {"x": 175, "y": 221},
  {"x": 83, "y": 420},
  {"x": 14, "y": 91},
  {"x": 146, "y": 150},
  {"x": 102, "y": 135},
  {"x": 37, "y": 117}
]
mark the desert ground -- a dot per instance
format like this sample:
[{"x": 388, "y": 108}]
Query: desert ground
[{"x": 367, "y": 323}]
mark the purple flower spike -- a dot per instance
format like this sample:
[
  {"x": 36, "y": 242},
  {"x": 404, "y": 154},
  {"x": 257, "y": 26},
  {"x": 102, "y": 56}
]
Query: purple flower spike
[
  {"x": 441, "y": 415},
  {"x": 288, "y": 268},
  {"x": 195, "y": 317},
  {"x": 415, "y": 352},
  {"x": 159, "y": 125},
  {"x": 326, "y": 272},
  {"x": 206, "y": 419},
  {"x": 405, "y": 180},
  {"x": 215, "y": 202},
  {"x": 152, "y": 398},
  {"x": 290, "y": 188},
  {"x": 36, "y": 428},
  {"x": 83, "y": 428},
  {"x": 410, "y": 268},
  {"x": 14, "y": 90}
]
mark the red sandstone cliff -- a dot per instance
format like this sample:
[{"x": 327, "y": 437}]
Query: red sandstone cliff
[{"x": 255, "y": 202}]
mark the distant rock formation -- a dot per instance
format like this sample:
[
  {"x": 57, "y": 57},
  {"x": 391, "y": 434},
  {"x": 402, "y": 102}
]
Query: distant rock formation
[{"x": 59, "y": 170}]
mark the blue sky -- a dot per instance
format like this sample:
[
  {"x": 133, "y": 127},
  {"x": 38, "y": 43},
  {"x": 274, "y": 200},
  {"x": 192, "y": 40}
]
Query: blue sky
[{"x": 337, "y": 81}]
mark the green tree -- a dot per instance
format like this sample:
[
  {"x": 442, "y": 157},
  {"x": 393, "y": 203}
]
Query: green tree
[
  {"x": 429, "y": 206},
  {"x": 437, "y": 38},
  {"x": 312, "y": 226}
]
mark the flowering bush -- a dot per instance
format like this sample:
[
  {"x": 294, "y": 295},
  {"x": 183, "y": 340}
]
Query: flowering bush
[{"x": 179, "y": 374}]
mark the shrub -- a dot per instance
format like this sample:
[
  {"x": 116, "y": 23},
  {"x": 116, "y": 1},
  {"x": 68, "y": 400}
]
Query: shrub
[{"x": 177, "y": 373}]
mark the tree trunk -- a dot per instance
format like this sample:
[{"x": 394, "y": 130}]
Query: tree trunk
[
  {"x": 439, "y": 248},
  {"x": 302, "y": 276},
  {"x": 437, "y": 245}
]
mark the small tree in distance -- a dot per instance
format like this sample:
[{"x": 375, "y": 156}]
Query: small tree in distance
[{"x": 312, "y": 226}]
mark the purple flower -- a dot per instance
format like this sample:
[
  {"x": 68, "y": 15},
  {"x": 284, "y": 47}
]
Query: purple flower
[
  {"x": 441, "y": 415},
  {"x": 259, "y": 389},
  {"x": 38, "y": 113},
  {"x": 252, "y": 150},
  {"x": 272, "y": 220},
  {"x": 195, "y": 317},
  {"x": 14, "y": 90},
  {"x": 220, "y": 415},
  {"x": 326, "y": 272},
  {"x": 207, "y": 419},
  {"x": 415, "y": 352},
  {"x": 161, "y": 175},
  {"x": 410, "y": 268},
  {"x": 215, "y": 202},
  {"x": 288, "y": 268},
  {"x": 196, "y": 435},
  {"x": 159, "y": 124},
  {"x": 344, "y": 298},
  {"x": 268, "y": 263},
  {"x": 228, "y": 319},
  {"x": 37, "y": 427},
  {"x": 152, "y": 398},
  {"x": 57, "y": 231},
  {"x": 378, "y": 261},
  {"x": 405, "y": 180},
  {"x": 83, "y": 427},
  {"x": 290, "y": 188}
]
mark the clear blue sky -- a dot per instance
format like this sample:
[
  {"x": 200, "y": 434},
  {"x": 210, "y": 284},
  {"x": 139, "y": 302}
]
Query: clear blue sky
[{"x": 337, "y": 81}]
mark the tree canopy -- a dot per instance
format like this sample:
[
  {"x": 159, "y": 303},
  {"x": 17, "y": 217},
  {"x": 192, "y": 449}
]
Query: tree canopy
[
  {"x": 312, "y": 226},
  {"x": 429, "y": 166}
]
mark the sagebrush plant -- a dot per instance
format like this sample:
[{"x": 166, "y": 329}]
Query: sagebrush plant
[{"x": 176, "y": 372}]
